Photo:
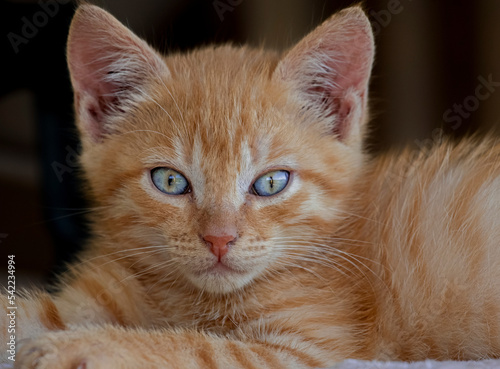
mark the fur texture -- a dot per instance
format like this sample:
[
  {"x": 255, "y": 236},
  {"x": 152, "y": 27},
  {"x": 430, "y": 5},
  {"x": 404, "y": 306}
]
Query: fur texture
[{"x": 391, "y": 257}]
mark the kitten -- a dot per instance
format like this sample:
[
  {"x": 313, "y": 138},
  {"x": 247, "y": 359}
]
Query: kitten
[{"x": 238, "y": 223}]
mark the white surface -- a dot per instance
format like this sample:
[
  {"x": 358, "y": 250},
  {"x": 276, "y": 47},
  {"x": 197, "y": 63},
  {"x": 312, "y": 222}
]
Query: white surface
[{"x": 428, "y": 364}]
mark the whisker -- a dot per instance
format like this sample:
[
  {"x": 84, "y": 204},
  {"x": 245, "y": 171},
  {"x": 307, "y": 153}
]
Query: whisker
[
  {"x": 302, "y": 267},
  {"x": 161, "y": 280},
  {"x": 325, "y": 249},
  {"x": 325, "y": 238},
  {"x": 149, "y": 252},
  {"x": 118, "y": 252},
  {"x": 145, "y": 271},
  {"x": 335, "y": 252},
  {"x": 324, "y": 262}
]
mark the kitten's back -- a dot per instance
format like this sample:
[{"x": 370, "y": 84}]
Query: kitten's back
[{"x": 435, "y": 226}]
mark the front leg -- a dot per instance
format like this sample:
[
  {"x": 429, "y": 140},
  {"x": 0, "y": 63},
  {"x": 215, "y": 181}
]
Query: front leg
[
  {"x": 96, "y": 297},
  {"x": 114, "y": 347}
]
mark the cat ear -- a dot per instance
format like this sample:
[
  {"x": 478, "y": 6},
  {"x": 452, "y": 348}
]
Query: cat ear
[
  {"x": 330, "y": 70},
  {"x": 110, "y": 68}
]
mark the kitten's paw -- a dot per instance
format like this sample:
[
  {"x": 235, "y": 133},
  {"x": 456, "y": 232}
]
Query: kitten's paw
[{"x": 60, "y": 350}]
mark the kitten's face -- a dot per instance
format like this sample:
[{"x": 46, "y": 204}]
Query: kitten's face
[{"x": 217, "y": 161}]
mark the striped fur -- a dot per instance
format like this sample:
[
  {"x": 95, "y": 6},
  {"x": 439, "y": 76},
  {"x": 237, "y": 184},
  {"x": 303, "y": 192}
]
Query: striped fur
[{"x": 393, "y": 257}]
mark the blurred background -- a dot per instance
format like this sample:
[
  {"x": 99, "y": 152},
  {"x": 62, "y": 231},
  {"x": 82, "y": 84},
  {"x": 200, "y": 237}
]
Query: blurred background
[{"x": 436, "y": 72}]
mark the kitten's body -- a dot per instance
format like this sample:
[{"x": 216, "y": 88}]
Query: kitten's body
[
  {"x": 384, "y": 258},
  {"x": 437, "y": 249}
]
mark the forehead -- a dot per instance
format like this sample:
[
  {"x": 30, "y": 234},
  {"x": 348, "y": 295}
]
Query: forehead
[
  {"x": 221, "y": 87},
  {"x": 222, "y": 102}
]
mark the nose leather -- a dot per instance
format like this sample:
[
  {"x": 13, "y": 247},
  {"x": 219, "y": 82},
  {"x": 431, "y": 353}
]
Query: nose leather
[{"x": 219, "y": 245}]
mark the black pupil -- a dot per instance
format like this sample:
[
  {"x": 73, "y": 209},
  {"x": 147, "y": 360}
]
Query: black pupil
[
  {"x": 271, "y": 182},
  {"x": 170, "y": 180}
]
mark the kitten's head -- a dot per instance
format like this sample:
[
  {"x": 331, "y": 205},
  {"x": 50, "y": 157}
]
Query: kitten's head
[{"x": 226, "y": 163}]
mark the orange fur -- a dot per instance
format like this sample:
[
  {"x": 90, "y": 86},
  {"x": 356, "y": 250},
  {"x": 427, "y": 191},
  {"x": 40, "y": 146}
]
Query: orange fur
[{"x": 391, "y": 257}]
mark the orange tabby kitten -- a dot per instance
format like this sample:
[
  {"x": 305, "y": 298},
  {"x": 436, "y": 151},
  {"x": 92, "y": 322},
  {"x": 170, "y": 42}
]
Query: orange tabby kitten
[{"x": 238, "y": 223}]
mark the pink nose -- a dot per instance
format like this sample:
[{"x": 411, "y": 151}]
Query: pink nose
[{"x": 219, "y": 245}]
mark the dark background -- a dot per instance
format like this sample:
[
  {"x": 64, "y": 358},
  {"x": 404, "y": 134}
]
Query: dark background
[{"x": 431, "y": 57}]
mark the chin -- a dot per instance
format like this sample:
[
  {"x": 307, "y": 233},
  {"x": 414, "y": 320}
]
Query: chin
[{"x": 221, "y": 279}]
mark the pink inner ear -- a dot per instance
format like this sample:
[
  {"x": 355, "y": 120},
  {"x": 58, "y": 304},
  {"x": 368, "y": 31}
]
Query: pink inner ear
[
  {"x": 340, "y": 76},
  {"x": 91, "y": 125},
  {"x": 330, "y": 65},
  {"x": 109, "y": 65},
  {"x": 89, "y": 80}
]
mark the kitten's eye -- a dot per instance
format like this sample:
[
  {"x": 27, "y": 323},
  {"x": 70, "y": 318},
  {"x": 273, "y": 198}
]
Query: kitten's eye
[
  {"x": 169, "y": 181},
  {"x": 271, "y": 183}
]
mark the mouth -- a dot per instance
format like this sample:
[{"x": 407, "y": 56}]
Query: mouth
[
  {"x": 221, "y": 269},
  {"x": 220, "y": 277}
]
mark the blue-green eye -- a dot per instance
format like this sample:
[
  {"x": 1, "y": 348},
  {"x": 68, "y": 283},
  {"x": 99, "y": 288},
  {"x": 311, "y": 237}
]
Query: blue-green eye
[
  {"x": 271, "y": 183},
  {"x": 169, "y": 181}
]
